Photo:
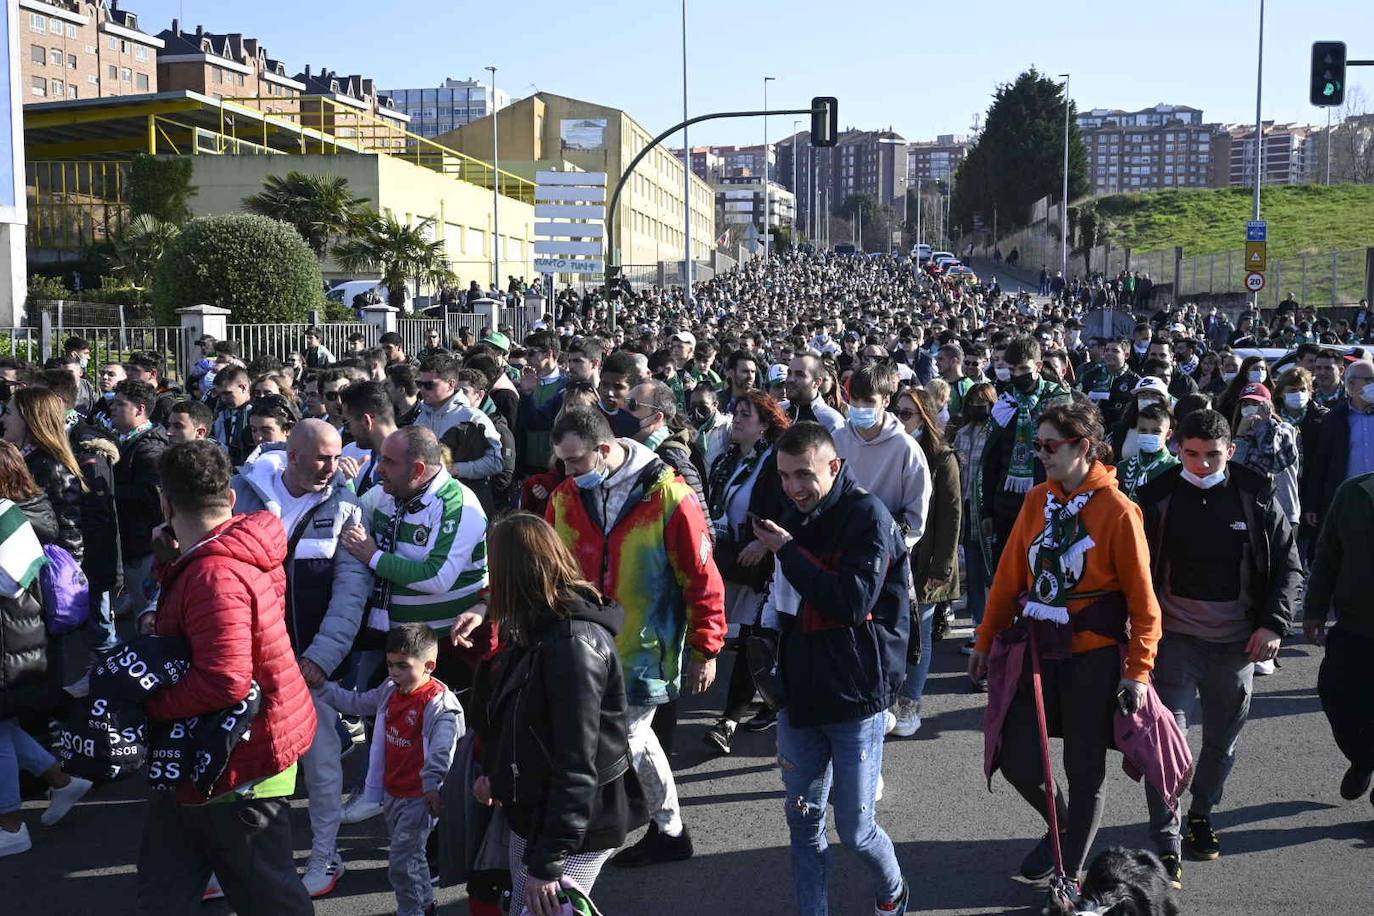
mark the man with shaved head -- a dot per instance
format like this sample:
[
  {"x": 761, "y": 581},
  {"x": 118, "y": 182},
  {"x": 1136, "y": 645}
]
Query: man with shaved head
[{"x": 326, "y": 591}]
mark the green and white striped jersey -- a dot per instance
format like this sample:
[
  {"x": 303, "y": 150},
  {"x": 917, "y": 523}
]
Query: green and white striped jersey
[{"x": 431, "y": 561}]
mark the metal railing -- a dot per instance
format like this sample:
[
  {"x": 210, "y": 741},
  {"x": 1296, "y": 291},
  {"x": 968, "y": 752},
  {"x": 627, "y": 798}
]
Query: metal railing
[
  {"x": 73, "y": 205},
  {"x": 281, "y": 340},
  {"x": 415, "y": 332}
]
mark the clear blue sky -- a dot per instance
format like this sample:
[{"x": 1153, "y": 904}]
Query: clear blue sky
[{"x": 921, "y": 68}]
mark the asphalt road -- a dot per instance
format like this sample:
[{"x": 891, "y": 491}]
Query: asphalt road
[{"x": 1289, "y": 843}]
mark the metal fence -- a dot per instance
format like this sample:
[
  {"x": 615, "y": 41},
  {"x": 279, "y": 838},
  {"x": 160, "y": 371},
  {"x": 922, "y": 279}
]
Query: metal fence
[{"x": 281, "y": 340}]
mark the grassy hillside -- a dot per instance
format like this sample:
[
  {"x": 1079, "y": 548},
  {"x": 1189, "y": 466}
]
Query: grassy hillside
[{"x": 1306, "y": 218}]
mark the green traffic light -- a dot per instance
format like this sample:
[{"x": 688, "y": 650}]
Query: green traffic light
[{"x": 1329, "y": 90}]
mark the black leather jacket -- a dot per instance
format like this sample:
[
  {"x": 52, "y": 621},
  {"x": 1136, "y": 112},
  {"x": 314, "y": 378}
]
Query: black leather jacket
[
  {"x": 64, "y": 493},
  {"x": 551, "y": 719}
]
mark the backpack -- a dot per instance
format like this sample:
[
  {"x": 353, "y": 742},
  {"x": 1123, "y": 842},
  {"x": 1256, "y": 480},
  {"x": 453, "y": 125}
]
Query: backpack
[{"x": 66, "y": 592}]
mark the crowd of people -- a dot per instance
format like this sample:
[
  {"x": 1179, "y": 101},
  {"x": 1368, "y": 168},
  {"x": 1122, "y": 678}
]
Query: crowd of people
[{"x": 499, "y": 564}]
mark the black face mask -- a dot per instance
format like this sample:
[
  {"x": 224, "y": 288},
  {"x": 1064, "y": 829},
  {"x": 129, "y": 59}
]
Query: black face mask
[
  {"x": 701, "y": 413},
  {"x": 1025, "y": 383},
  {"x": 976, "y": 412}
]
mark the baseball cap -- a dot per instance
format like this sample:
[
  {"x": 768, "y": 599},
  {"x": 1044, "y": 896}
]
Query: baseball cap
[
  {"x": 1151, "y": 384},
  {"x": 1255, "y": 391},
  {"x": 498, "y": 340},
  {"x": 686, "y": 337}
]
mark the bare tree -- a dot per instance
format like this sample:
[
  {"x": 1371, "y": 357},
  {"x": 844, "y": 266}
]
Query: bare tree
[{"x": 1352, "y": 140}]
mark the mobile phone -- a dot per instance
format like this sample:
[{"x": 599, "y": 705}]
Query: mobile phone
[{"x": 1123, "y": 700}]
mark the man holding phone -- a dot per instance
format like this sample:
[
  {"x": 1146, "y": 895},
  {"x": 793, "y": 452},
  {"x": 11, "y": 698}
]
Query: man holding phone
[{"x": 1226, "y": 569}]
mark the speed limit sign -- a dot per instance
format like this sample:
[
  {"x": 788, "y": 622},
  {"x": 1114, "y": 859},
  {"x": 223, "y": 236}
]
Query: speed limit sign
[{"x": 1254, "y": 282}]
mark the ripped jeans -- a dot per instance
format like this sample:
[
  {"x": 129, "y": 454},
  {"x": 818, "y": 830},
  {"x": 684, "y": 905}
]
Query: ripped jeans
[{"x": 835, "y": 764}]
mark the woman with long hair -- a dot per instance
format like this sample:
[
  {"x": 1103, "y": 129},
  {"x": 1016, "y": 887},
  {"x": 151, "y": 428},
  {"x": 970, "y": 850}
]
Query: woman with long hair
[
  {"x": 744, "y": 481},
  {"x": 1253, "y": 369},
  {"x": 1078, "y": 558},
  {"x": 35, "y": 423},
  {"x": 18, "y": 486},
  {"x": 550, "y": 712},
  {"x": 969, "y": 442},
  {"x": 935, "y": 560}
]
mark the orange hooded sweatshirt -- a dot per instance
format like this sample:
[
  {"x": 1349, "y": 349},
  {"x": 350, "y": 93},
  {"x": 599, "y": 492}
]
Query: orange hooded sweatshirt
[{"x": 1119, "y": 561}]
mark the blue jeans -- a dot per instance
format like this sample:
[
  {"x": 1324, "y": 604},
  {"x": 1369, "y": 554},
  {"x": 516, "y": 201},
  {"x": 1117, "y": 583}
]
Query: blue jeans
[
  {"x": 100, "y": 629},
  {"x": 916, "y": 672},
  {"x": 848, "y": 757},
  {"x": 18, "y": 749}
]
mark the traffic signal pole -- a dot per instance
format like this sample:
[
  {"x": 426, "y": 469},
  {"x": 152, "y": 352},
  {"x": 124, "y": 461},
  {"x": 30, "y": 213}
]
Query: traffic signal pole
[{"x": 613, "y": 255}]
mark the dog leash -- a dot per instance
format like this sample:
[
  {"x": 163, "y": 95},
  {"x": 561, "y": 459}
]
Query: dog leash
[{"x": 1060, "y": 882}]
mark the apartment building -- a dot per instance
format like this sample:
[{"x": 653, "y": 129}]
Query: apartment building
[
  {"x": 1152, "y": 149},
  {"x": 739, "y": 201},
  {"x": 226, "y": 66},
  {"x": 1288, "y": 151},
  {"x": 1158, "y": 116},
  {"x": 936, "y": 160},
  {"x": 440, "y": 109},
  {"x": 706, "y": 163},
  {"x": 83, "y": 49}
]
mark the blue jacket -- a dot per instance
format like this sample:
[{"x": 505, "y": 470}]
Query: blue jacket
[
  {"x": 842, "y": 656},
  {"x": 326, "y": 587}
]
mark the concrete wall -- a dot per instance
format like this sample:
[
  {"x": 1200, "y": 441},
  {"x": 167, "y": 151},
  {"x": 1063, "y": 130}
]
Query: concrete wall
[{"x": 462, "y": 212}]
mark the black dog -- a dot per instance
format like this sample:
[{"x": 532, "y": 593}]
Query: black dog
[{"x": 1126, "y": 882}]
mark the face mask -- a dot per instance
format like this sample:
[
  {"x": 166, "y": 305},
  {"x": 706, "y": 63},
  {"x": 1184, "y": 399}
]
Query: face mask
[
  {"x": 1295, "y": 400},
  {"x": 1003, "y": 374},
  {"x": 1367, "y": 393},
  {"x": 1257, "y": 375},
  {"x": 701, "y": 414},
  {"x": 1149, "y": 443},
  {"x": 862, "y": 417},
  {"x": 1071, "y": 340},
  {"x": 592, "y": 479},
  {"x": 977, "y": 413},
  {"x": 1249, "y": 410},
  {"x": 1229, "y": 377},
  {"x": 1204, "y": 483},
  {"x": 1025, "y": 383},
  {"x": 1142, "y": 347}
]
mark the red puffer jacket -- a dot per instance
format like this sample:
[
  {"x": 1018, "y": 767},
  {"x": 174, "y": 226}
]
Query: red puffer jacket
[{"x": 226, "y": 597}]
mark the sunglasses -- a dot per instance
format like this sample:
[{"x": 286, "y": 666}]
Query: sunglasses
[
  {"x": 1050, "y": 446},
  {"x": 906, "y": 413},
  {"x": 632, "y": 405},
  {"x": 429, "y": 384}
]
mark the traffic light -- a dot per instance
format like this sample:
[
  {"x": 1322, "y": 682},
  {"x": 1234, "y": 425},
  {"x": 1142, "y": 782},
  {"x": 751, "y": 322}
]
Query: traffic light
[
  {"x": 1328, "y": 73},
  {"x": 825, "y": 117}
]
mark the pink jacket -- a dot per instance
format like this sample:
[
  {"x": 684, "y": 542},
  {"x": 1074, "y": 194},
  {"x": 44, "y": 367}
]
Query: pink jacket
[{"x": 1152, "y": 745}]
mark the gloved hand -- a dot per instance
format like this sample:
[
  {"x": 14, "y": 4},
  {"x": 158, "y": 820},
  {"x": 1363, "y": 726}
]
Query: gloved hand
[{"x": 1130, "y": 695}]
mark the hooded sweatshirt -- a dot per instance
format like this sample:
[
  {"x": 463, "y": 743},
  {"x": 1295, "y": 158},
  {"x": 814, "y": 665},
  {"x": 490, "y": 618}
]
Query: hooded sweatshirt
[
  {"x": 893, "y": 468},
  {"x": 616, "y": 489}
]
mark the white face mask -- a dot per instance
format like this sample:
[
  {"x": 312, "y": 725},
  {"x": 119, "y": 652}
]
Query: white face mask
[
  {"x": 1149, "y": 443},
  {"x": 1229, "y": 377},
  {"x": 1295, "y": 400},
  {"x": 1249, "y": 410},
  {"x": 1003, "y": 374},
  {"x": 1205, "y": 483},
  {"x": 1256, "y": 375},
  {"x": 1367, "y": 393}
]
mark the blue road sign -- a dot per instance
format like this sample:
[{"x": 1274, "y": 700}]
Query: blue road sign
[{"x": 1257, "y": 230}]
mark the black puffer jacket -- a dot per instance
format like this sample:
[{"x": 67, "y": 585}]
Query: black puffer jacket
[
  {"x": 64, "y": 493},
  {"x": 39, "y": 511},
  {"x": 136, "y": 492},
  {"x": 551, "y": 718},
  {"x": 97, "y": 457},
  {"x": 23, "y": 655}
]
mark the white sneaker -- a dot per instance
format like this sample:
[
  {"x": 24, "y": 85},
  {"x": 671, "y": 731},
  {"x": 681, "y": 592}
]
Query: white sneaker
[
  {"x": 908, "y": 718},
  {"x": 14, "y": 843},
  {"x": 322, "y": 874},
  {"x": 60, "y": 801},
  {"x": 212, "y": 891},
  {"x": 890, "y": 722},
  {"x": 358, "y": 809},
  {"x": 1265, "y": 667}
]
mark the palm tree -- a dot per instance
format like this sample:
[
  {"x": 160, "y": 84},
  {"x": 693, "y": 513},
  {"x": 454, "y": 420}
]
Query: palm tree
[
  {"x": 380, "y": 243},
  {"x": 320, "y": 207},
  {"x": 139, "y": 247}
]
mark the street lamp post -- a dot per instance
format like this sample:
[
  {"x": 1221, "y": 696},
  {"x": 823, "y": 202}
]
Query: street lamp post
[
  {"x": 1064, "y": 205},
  {"x": 686, "y": 174},
  {"x": 796, "y": 129},
  {"x": 495, "y": 192},
  {"x": 1259, "y": 128},
  {"x": 767, "y": 227}
]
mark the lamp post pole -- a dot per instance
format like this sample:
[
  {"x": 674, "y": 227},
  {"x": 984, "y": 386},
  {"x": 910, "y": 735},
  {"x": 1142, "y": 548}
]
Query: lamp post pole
[
  {"x": 686, "y": 174},
  {"x": 1259, "y": 128},
  {"x": 495, "y": 192},
  {"x": 767, "y": 228},
  {"x": 1064, "y": 204}
]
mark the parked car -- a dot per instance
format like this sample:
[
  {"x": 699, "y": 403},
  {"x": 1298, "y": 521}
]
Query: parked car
[{"x": 921, "y": 253}]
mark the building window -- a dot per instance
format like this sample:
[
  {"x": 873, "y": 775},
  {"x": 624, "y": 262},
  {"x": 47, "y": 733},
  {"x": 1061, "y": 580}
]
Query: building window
[
  {"x": 38, "y": 86},
  {"x": 71, "y": 92},
  {"x": 38, "y": 23},
  {"x": 92, "y": 49},
  {"x": 55, "y": 57},
  {"x": 71, "y": 61},
  {"x": 93, "y": 80},
  {"x": 113, "y": 42},
  {"x": 58, "y": 89},
  {"x": 113, "y": 72},
  {"x": 140, "y": 53},
  {"x": 126, "y": 74},
  {"x": 123, "y": 46},
  {"x": 216, "y": 75},
  {"x": 38, "y": 54},
  {"x": 142, "y": 81},
  {"x": 71, "y": 31}
]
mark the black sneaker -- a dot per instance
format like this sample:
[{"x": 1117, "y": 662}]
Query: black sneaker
[
  {"x": 719, "y": 736},
  {"x": 763, "y": 720},
  {"x": 655, "y": 847},
  {"x": 1355, "y": 783},
  {"x": 1039, "y": 862},
  {"x": 1201, "y": 840},
  {"x": 1173, "y": 867}
]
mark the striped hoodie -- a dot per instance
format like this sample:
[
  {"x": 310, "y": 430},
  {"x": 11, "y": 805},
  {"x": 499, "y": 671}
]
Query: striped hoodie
[{"x": 431, "y": 559}]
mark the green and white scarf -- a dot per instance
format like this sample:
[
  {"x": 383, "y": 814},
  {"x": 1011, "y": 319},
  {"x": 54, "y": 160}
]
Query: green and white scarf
[
  {"x": 1135, "y": 472},
  {"x": 21, "y": 556},
  {"x": 1024, "y": 410},
  {"x": 1055, "y": 558}
]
